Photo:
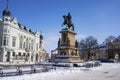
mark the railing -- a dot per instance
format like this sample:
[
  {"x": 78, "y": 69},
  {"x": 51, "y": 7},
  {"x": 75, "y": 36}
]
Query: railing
[
  {"x": 13, "y": 70},
  {"x": 66, "y": 56}
]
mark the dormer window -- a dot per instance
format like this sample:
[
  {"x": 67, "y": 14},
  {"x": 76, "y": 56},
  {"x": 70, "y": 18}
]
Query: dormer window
[{"x": 6, "y": 19}]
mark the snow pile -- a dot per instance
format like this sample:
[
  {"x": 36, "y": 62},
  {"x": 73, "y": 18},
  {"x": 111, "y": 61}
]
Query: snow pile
[{"x": 108, "y": 71}]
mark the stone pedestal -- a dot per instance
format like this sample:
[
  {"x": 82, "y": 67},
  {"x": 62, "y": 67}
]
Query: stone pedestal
[{"x": 67, "y": 47}]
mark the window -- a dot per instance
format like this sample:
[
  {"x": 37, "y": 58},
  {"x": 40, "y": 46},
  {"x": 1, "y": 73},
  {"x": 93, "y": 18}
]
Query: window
[
  {"x": 31, "y": 46},
  {"x": 13, "y": 54},
  {"x": 23, "y": 54},
  {"x": 106, "y": 56},
  {"x": 28, "y": 54},
  {"x": 13, "y": 41},
  {"x": 24, "y": 45},
  {"x": 6, "y": 19},
  {"x": 20, "y": 44},
  {"x": 19, "y": 54},
  {"x": 36, "y": 46},
  {"x": 5, "y": 41},
  {"x": 36, "y": 57},
  {"x": 27, "y": 44}
]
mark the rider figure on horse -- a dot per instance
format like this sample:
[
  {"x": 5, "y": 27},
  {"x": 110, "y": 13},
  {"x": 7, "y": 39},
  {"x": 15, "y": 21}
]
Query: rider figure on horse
[{"x": 68, "y": 22}]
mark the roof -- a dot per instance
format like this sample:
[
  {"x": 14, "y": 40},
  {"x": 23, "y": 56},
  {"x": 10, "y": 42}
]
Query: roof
[
  {"x": 118, "y": 38},
  {"x": 6, "y": 12},
  {"x": 101, "y": 45},
  {"x": 25, "y": 28},
  {"x": 103, "y": 49}
]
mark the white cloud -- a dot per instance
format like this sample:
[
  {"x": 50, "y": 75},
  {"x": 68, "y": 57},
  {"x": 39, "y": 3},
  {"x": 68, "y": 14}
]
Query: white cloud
[
  {"x": 50, "y": 42},
  {"x": 80, "y": 36},
  {"x": 51, "y": 39}
]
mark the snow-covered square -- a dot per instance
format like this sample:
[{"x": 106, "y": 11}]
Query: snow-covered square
[{"x": 107, "y": 71}]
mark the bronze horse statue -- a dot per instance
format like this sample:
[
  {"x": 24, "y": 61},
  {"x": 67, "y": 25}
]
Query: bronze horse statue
[{"x": 68, "y": 22}]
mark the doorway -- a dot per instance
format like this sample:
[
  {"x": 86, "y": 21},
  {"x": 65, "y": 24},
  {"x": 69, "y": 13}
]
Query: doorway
[{"x": 8, "y": 57}]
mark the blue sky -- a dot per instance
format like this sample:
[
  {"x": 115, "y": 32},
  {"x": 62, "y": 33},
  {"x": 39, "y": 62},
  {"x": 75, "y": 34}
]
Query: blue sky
[{"x": 98, "y": 18}]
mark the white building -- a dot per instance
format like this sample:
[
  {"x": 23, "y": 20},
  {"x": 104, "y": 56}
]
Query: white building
[{"x": 17, "y": 42}]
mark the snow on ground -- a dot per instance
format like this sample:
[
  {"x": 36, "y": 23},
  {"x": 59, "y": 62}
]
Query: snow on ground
[{"x": 108, "y": 71}]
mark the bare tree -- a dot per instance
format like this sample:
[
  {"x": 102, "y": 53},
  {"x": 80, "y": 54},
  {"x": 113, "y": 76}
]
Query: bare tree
[
  {"x": 111, "y": 46},
  {"x": 110, "y": 39},
  {"x": 88, "y": 44}
]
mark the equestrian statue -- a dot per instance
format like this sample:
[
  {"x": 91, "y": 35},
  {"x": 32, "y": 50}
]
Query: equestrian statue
[{"x": 68, "y": 22}]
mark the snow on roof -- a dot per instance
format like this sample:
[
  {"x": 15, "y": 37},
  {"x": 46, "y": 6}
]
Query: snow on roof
[
  {"x": 101, "y": 45},
  {"x": 118, "y": 38},
  {"x": 102, "y": 49},
  {"x": 25, "y": 28}
]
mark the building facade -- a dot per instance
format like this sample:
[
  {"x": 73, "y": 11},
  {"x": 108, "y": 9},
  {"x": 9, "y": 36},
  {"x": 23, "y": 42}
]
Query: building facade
[
  {"x": 101, "y": 52},
  {"x": 113, "y": 49},
  {"x": 17, "y": 42},
  {"x": 97, "y": 52}
]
